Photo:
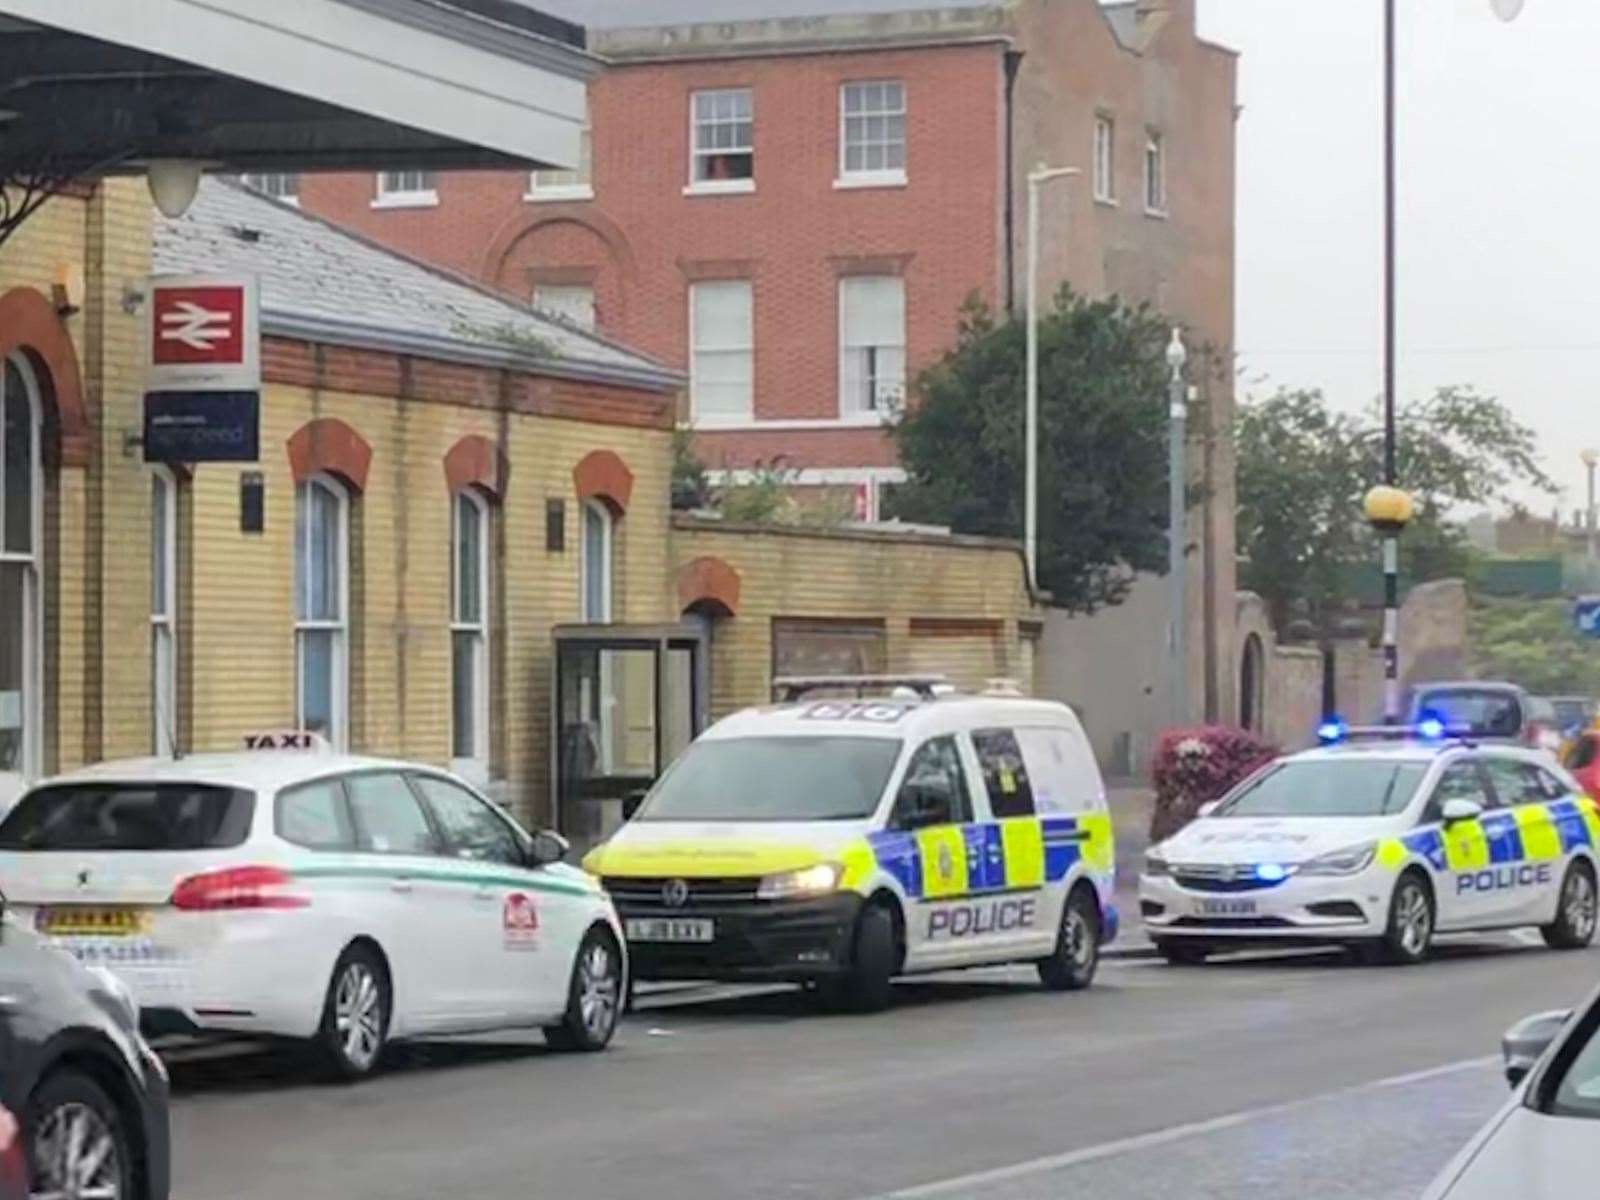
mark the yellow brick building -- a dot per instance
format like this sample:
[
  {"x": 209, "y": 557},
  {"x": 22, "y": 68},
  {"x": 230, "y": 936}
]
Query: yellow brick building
[{"x": 444, "y": 477}]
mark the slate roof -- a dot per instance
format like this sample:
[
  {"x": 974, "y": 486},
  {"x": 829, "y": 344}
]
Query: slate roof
[{"x": 322, "y": 283}]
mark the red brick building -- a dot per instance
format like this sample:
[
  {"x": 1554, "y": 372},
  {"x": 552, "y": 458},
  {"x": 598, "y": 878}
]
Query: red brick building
[{"x": 793, "y": 210}]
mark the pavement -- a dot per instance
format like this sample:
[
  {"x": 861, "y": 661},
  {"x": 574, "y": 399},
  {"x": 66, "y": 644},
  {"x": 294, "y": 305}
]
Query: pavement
[
  {"x": 1131, "y": 805},
  {"x": 1255, "y": 1076}
]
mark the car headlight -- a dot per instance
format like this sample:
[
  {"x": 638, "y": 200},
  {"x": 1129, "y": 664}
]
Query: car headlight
[
  {"x": 1154, "y": 864},
  {"x": 809, "y": 881},
  {"x": 1341, "y": 862}
]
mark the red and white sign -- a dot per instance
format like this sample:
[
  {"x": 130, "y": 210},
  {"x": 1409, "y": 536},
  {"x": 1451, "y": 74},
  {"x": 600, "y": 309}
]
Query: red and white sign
[
  {"x": 203, "y": 334},
  {"x": 520, "y": 921}
]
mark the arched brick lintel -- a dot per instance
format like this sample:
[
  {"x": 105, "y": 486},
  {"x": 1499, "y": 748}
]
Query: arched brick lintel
[
  {"x": 709, "y": 584},
  {"x": 328, "y": 444},
  {"x": 602, "y": 475},
  {"x": 475, "y": 461},
  {"x": 28, "y": 323}
]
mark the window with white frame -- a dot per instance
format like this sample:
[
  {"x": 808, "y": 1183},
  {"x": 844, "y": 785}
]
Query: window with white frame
[
  {"x": 402, "y": 188},
  {"x": 722, "y": 139},
  {"x": 721, "y": 350},
  {"x": 164, "y": 612},
  {"x": 570, "y": 301},
  {"x": 1105, "y": 140},
  {"x": 597, "y": 565},
  {"x": 281, "y": 185},
  {"x": 872, "y": 136},
  {"x": 469, "y": 634},
  {"x": 322, "y": 598},
  {"x": 21, "y": 575},
  {"x": 872, "y": 344},
  {"x": 1155, "y": 173},
  {"x": 568, "y": 185}
]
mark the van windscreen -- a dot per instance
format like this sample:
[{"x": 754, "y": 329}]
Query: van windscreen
[
  {"x": 774, "y": 779},
  {"x": 128, "y": 816}
]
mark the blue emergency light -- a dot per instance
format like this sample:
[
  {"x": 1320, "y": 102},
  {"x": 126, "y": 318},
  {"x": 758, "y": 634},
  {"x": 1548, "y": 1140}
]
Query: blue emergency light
[{"x": 1428, "y": 728}]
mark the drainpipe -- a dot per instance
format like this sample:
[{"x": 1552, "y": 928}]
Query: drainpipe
[{"x": 1013, "y": 63}]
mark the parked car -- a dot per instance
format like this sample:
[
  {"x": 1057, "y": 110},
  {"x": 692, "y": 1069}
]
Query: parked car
[
  {"x": 88, "y": 1094},
  {"x": 1489, "y": 711},
  {"x": 1574, "y": 714},
  {"x": 1545, "y": 1142}
]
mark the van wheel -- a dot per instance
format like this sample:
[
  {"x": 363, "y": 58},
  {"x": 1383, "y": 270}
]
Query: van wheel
[
  {"x": 1181, "y": 952},
  {"x": 594, "y": 997},
  {"x": 865, "y": 986},
  {"x": 1573, "y": 928},
  {"x": 355, "y": 1015},
  {"x": 1077, "y": 955}
]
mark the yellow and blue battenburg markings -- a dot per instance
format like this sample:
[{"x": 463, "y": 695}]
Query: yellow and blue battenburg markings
[
  {"x": 997, "y": 856},
  {"x": 1526, "y": 833}
]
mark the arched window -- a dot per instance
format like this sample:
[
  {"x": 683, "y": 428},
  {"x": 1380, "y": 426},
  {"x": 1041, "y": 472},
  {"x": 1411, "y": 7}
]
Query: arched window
[
  {"x": 164, "y": 611},
  {"x": 21, "y": 549},
  {"x": 597, "y": 565},
  {"x": 322, "y": 608},
  {"x": 469, "y": 634}
]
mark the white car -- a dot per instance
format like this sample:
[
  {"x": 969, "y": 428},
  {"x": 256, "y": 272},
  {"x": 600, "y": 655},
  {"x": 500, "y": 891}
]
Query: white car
[
  {"x": 1379, "y": 844},
  {"x": 1545, "y": 1143},
  {"x": 304, "y": 894}
]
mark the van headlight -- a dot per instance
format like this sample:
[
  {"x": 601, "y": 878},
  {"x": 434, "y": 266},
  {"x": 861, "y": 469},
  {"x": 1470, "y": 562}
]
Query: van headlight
[
  {"x": 810, "y": 881},
  {"x": 1349, "y": 861}
]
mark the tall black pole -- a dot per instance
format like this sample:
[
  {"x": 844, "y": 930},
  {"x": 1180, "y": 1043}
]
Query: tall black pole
[{"x": 1391, "y": 544}]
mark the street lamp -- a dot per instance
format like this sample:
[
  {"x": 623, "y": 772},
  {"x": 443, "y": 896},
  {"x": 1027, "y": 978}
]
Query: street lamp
[
  {"x": 1039, "y": 175},
  {"x": 1589, "y": 458},
  {"x": 1389, "y": 511},
  {"x": 1177, "y": 527}
]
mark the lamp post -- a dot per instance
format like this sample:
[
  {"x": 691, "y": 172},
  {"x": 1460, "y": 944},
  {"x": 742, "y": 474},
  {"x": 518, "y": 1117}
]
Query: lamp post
[
  {"x": 1041, "y": 174},
  {"x": 1389, "y": 511},
  {"x": 1589, "y": 459},
  {"x": 1177, "y": 528}
]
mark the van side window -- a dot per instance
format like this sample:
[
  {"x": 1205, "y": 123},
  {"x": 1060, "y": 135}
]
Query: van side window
[
  {"x": 315, "y": 816},
  {"x": 1061, "y": 769},
  {"x": 1005, "y": 775},
  {"x": 934, "y": 790}
]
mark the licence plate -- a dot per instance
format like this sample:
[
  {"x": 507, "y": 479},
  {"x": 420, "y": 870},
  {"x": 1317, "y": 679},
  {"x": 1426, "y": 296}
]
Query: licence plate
[
  {"x": 1225, "y": 908},
  {"x": 84, "y": 921},
  {"x": 669, "y": 929}
]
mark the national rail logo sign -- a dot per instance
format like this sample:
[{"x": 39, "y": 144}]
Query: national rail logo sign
[{"x": 203, "y": 382}]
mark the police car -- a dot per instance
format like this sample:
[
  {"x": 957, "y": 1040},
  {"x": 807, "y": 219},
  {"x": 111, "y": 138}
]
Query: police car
[
  {"x": 1379, "y": 839},
  {"x": 306, "y": 894},
  {"x": 841, "y": 843}
]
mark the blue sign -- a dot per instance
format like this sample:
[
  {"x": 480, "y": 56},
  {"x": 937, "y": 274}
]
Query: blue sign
[
  {"x": 197, "y": 427},
  {"x": 1586, "y": 616}
]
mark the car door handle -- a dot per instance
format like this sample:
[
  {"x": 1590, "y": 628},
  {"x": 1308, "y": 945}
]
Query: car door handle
[
  {"x": 400, "y": 885},
  {"x": 484, "y": 893}
]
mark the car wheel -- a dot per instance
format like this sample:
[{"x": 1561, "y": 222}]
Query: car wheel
[
  {"x": 1409, "y": 934},
  {"x": 77, "y": 1142},
  {"x": 355, "y": 1015},
  {"x": 1182, "y": 952},
  {"x": 865, "y": 986},
  {"x": 594, "y": 997},
  {"x": 1077, "y": 953},
  {"x": 1574, "y": 926}
]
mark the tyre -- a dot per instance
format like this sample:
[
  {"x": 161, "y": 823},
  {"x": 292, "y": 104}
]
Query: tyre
[
  {"x": 355, "y": 1015},
  {"x": 595, "y": 997},
  {"x": 1181, "y": 952},
  {"x": 78, "y": 1142},
  {"x": 865, "y": 985},
  {"x": 1409, "y": 934},
  {"x": 1077, "y": 954},
  {"x": 1573, "y": 928}
]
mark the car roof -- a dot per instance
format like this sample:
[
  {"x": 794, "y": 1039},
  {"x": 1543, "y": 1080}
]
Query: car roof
[
  {"x": 895, "y": 717},
  {"x": 253, "y": 770},
  {"x": 1471, "y": 685},
  {"x": 1411, "y": 750}
]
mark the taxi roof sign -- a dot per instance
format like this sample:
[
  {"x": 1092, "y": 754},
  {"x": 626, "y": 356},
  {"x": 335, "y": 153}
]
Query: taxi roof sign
[{"x": 287, "y": 739}]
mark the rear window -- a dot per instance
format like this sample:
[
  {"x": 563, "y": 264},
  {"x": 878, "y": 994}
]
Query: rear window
[
  {"x": 1485, "y": 713},
  {"x": 122, "y": 816}
]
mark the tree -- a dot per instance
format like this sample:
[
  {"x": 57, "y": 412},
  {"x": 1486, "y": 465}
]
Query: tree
[
  {"x": 1532, "y": 642},
  {"x": 1304, "y": 468},
  {"x": 1102, "y": 442}
]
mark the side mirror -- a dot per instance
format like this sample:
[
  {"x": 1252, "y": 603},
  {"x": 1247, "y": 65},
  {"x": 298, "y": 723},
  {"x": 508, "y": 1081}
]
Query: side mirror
[
  {"x": 1206, "y": 809},
  {"x": 1526, "y": 1041},
  {"x": 548, "y": 847},
  {"x": 1459, "y": 809},
  {"x": 631, "y": 803}
]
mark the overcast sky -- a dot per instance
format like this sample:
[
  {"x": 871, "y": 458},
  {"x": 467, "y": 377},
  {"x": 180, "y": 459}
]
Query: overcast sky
[{"x": 1499, "y": 234}]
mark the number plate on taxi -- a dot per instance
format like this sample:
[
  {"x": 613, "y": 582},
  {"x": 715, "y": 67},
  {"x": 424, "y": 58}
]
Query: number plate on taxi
[
  {"x": 669, "y": 929},
  {"x": 83, "y": 921},
  {"x": 1225, "y": 908}
]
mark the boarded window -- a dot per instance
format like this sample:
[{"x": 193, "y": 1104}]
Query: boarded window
[{"x": 803, "y": 646}]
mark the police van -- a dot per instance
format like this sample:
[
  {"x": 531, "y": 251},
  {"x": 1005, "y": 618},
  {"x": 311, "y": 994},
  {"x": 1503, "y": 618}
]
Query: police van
[
  {"x": 1378, "y": 840},
  {"x": 843, "y": 842}
]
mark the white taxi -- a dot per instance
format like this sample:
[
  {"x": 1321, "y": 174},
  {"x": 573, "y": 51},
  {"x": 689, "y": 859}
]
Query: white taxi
[
  {"x": 1379, "y": 840},
  {"x": 305, "y": 894},
  {"x": 841, "y": 843}
]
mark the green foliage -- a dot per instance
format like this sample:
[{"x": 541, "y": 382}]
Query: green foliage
[
  {"x": 1304, "y": 468},
  {"x": 510, "y": 335},
  {"x": 1102, "y": 442},
  {"x": 764, "y": 500},
  {"x": 1532, "y": 642},
  {"x": 690, "y": 487}
]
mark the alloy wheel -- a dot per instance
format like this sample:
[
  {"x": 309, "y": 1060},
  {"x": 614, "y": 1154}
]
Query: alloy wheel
[
  {"x": 1579, "y": 905},
  {"x": 75, "y": 1156},
  {"x": 598, "y": 989},
  {"x": 1416, "y": 925},
  {"x": 1080, "y": 946},
  {"x": 358, "y": 1015}
]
